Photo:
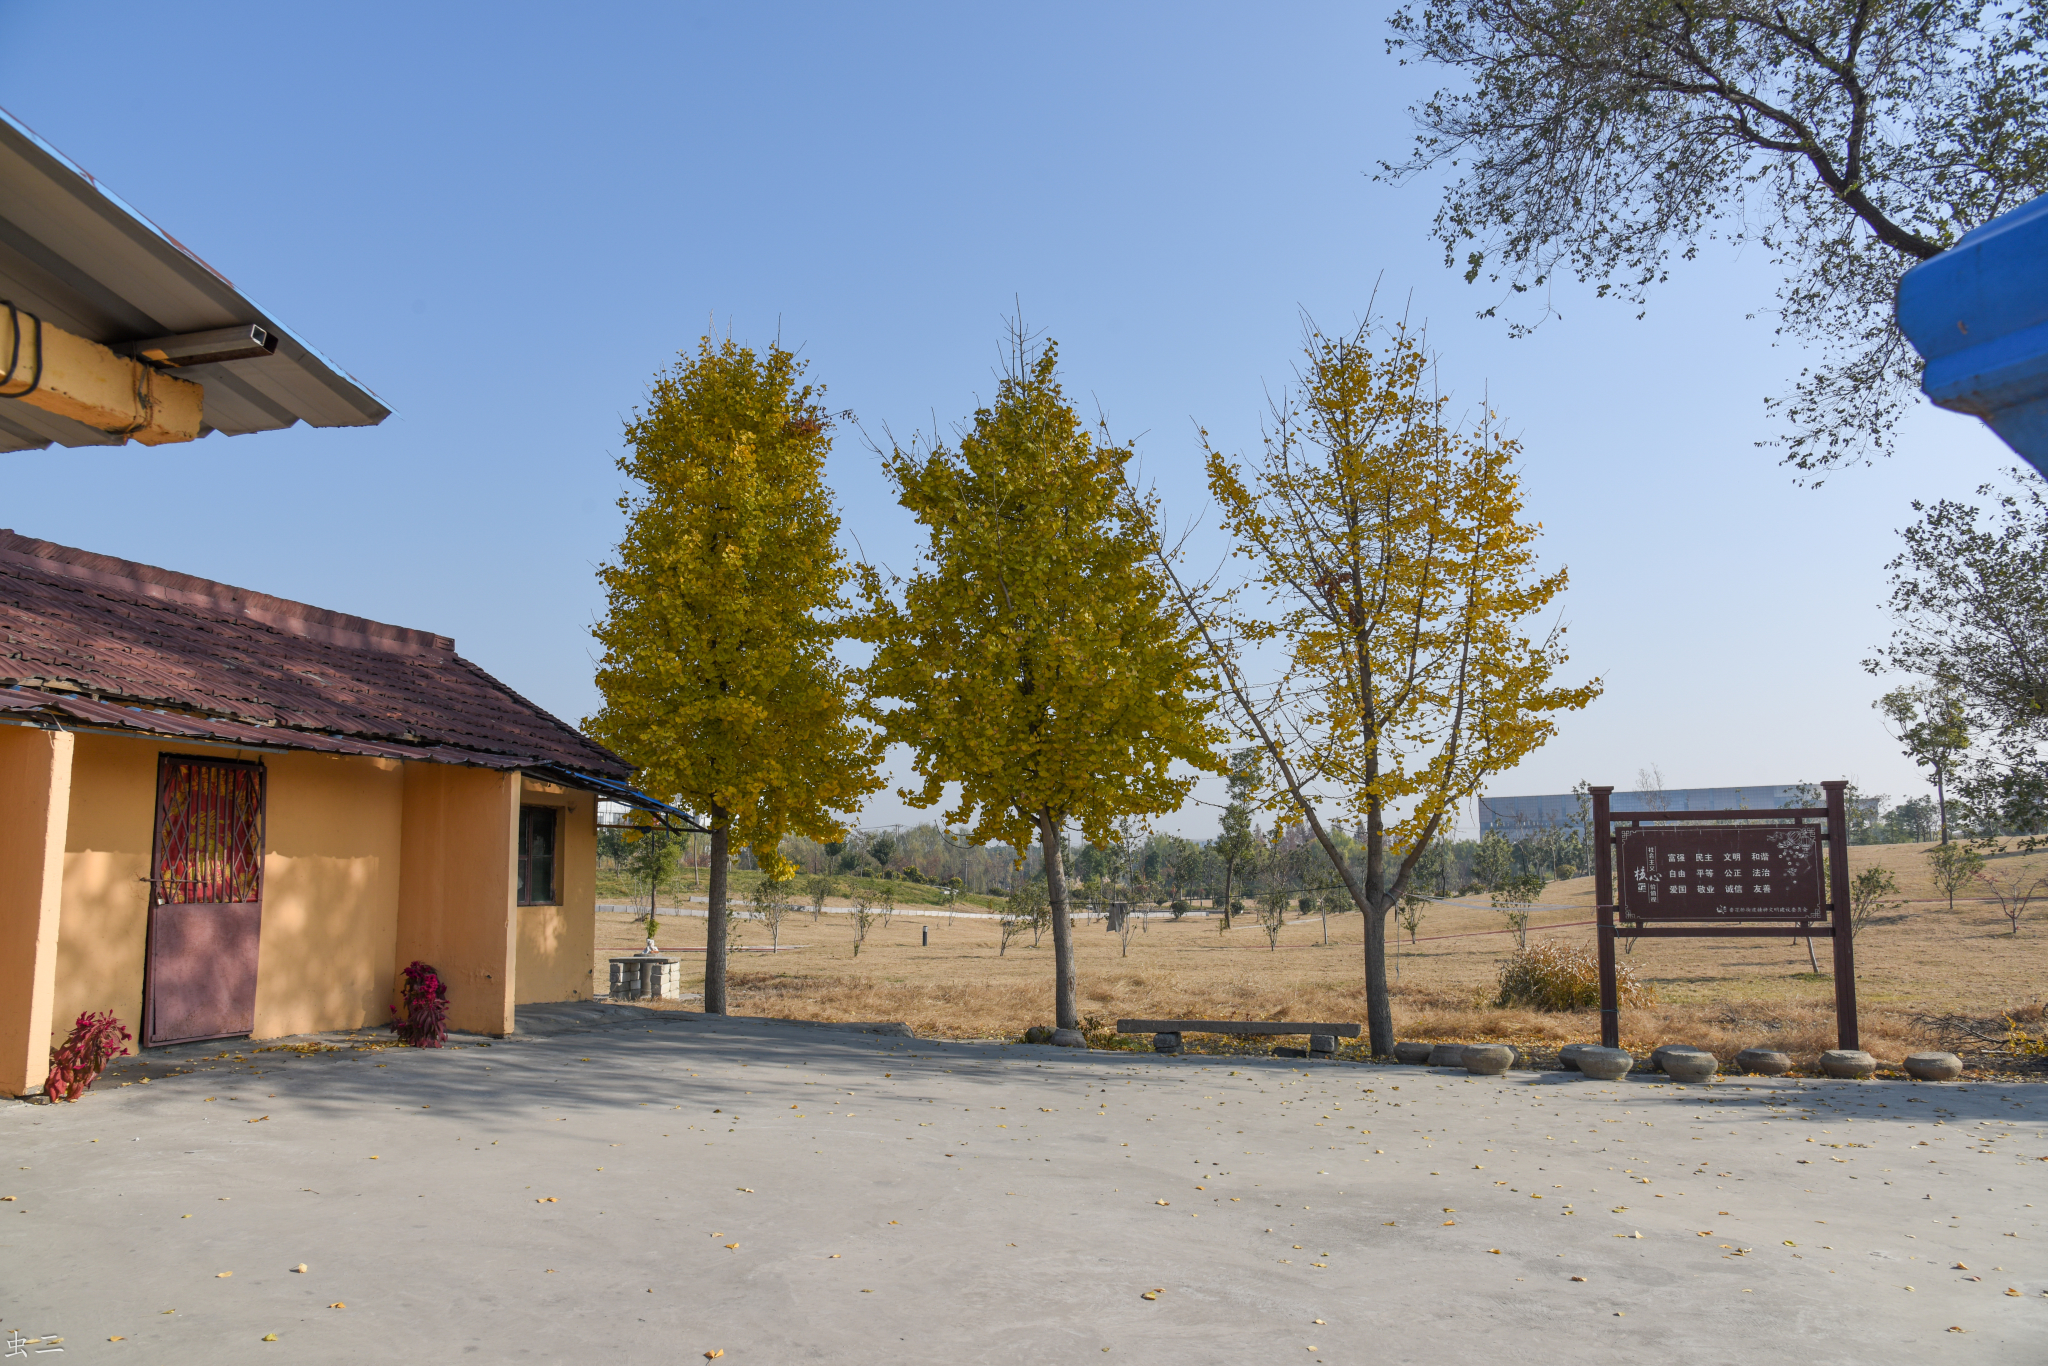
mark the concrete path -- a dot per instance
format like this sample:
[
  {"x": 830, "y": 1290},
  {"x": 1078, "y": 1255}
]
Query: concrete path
[{"x": 627, "y": 1186}]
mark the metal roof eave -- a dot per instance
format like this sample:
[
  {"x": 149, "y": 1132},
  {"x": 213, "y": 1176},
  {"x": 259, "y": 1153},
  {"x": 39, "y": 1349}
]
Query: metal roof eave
[
  {"x": 132, "y": 279},
  {"x": 673, "y": 818}
]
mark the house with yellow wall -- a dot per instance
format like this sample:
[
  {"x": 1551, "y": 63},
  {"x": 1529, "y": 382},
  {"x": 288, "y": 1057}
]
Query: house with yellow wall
[{"x": 229, "y": 815}]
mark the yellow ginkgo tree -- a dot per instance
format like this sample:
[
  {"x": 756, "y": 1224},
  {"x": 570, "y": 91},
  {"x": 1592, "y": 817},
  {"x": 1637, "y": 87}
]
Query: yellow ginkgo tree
[
  {"x": 719, "y": 681},
  {"x": 1392, "y": 581},
  {"x": 1034, "y": 656}
]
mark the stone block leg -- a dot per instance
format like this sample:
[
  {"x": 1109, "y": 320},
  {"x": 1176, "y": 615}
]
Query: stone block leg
[
  {"x": 1488, "y": 1059},
  {"x": 1322, "y": 1045},
  {"x": 1166, "y": 1043},
  {"x": 1764, "y": 1062},
  {"x": 1605, "y": 1064},
  {"x": 1933, "y": 1066},
  {"x": 1848, "y": 1064},
  {"x": 1689, "y": 1064}
]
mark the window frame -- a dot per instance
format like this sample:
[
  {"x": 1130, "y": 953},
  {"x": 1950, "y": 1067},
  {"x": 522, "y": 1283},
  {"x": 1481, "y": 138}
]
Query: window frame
[{"x": 523, "y": 869}]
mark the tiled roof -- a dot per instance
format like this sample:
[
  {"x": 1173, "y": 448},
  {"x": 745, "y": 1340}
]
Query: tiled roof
[{"x": 72, "y": 622}]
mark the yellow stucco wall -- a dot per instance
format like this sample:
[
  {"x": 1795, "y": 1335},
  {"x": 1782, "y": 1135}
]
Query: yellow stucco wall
[
  {"x": 368, "y": 864},
  {"x": 104, "y": 926},
  {"x": 330, "y": 893},
  {"x": 35, "y": 802},
  {"x": 557, "y": 943},
  {"x": 457, "y": 896},
  {"x": 330, "y": 886}
]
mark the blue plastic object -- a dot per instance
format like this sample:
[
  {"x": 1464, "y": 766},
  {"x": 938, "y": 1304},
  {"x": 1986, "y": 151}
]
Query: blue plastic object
[{"x": 1978, "y": 315}]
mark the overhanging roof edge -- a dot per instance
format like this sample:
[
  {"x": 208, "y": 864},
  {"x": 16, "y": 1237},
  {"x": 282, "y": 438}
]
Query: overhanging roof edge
[
  {"x": 619, "y": 792},
  {"x": 133, "y": 215}
]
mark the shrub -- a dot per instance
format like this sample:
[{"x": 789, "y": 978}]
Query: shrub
[
  {"x": 423, "y": 1020},
  {"x": 1553, "y": 976},
  {"x": 96, "y": 1040}
]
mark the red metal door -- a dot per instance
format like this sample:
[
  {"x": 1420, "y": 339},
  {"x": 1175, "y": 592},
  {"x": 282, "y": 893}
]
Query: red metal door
[{"x": 205, "y": 901}]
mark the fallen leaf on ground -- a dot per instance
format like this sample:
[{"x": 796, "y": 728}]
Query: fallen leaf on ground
[
  {"x": 1578, "y": 1278},
  {"x": 337, "y": 1305},
  {"x": 270, "y": 1337},
  {"x": 714, "y": 1354},
  {"x": 222, "y": 1275}
]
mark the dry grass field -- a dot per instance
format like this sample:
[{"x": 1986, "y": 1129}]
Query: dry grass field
[{"x": 1920, "y": 960}]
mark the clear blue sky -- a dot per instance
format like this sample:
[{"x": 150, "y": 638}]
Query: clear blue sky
[{"x": 505, "y": 218}]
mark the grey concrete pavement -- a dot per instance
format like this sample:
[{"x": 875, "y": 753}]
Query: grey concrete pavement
[{"x": 630, "y": 1186}]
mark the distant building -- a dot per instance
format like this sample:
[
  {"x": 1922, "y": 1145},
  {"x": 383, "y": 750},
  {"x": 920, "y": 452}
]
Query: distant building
[{"x": 1518, "y": 817}]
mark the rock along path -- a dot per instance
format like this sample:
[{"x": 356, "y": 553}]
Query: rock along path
[{"x": 620, "y": 1185}]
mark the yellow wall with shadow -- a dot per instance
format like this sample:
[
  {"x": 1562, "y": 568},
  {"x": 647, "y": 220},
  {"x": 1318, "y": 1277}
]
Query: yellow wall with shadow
[
  {"x": 557, "y": 943},
  {"x": 104, "y": 925},
  {"x": 330, "y": 893},
  {"x": 368, "y": 864},
  {"x": 457, "y": 900}
]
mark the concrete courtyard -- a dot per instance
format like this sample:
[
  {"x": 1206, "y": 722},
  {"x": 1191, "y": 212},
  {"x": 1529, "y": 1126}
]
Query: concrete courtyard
[{"x": 620, "y": 1185}]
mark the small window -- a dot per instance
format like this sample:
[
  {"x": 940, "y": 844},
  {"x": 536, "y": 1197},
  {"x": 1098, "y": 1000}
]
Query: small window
[{"x": 537, "y": 856}]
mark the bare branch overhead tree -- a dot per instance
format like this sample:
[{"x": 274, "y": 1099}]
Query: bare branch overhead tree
[{"x": 1850, "y": 139}]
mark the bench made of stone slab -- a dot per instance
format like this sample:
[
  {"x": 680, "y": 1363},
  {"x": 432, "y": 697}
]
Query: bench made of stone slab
[{"x": 1166, "y": 1034}]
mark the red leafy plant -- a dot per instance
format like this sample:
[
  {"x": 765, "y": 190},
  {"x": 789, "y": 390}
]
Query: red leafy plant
[
  {"x": 423, "y": 1019},
  {"x": 96, "y": 1040}
]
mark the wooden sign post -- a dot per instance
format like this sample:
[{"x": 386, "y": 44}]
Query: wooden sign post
[{"x": 1702, "y": 874}]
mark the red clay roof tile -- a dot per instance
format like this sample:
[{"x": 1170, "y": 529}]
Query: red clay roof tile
[{"x": 75, "y": 622}]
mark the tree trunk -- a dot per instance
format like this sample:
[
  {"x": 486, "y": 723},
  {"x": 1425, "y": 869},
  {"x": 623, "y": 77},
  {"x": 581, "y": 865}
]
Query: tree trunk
[
  {"x": 715, "y": 918},
  {"x": 1228, "y": 869},
  {"x": 1941, "y": 804},
  {"x": 1066, "y": 1014},
  {"x": 1379, "y": 1007}
]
